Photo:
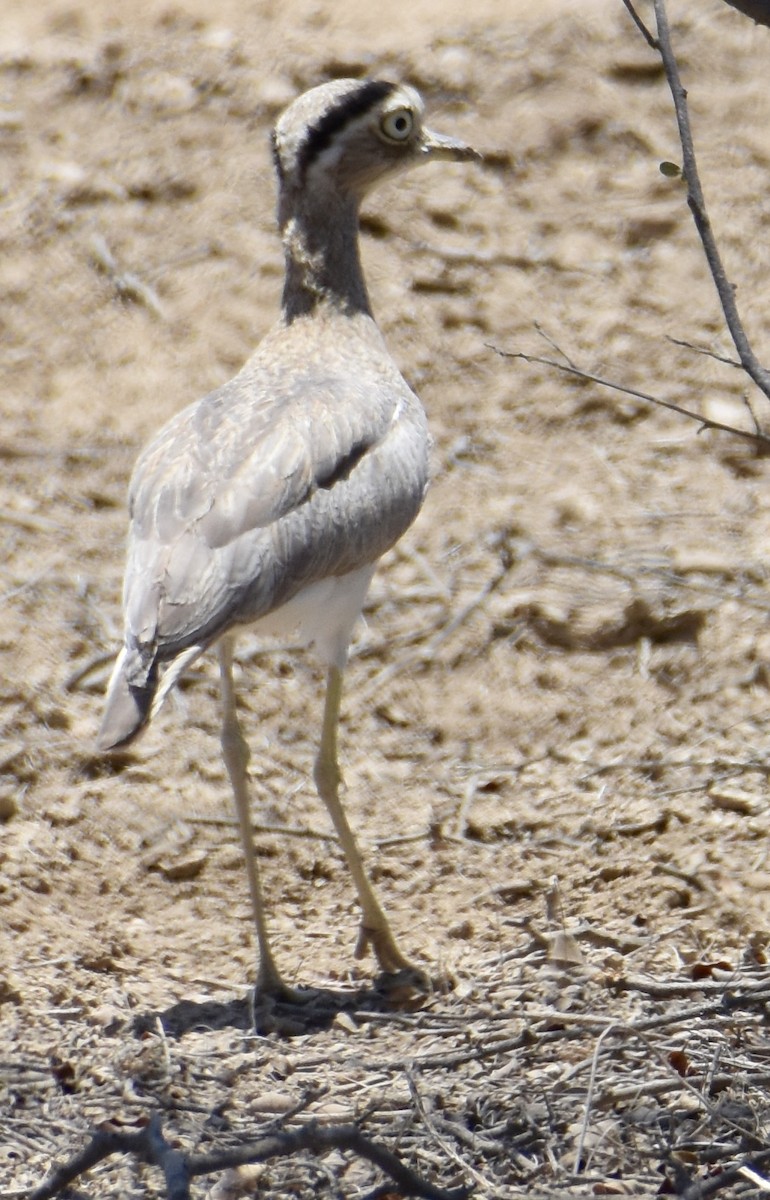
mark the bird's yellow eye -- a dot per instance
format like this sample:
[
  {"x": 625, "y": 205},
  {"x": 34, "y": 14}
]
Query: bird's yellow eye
[{"x": 397, "y": 126}]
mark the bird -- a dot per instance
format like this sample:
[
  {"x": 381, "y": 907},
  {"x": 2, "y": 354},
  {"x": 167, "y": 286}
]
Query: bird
[{"x": 269, "y": 502}]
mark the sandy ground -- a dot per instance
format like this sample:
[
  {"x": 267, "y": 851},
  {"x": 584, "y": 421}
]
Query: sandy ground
[{"x": 556, "y": 708}]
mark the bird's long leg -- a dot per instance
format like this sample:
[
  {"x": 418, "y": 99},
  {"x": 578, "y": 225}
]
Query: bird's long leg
[
  {"x": 375, "y": 929},
  {"x": 235, "y": 752}
]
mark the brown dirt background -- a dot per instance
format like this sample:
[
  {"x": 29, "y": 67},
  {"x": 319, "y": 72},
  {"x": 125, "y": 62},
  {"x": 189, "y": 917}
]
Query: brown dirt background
[{"x": 556, "y": 714}]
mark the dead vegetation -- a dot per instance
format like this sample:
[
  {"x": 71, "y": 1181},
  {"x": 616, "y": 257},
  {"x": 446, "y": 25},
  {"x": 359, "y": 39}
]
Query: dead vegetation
[{"x": 558, "y": 1070}]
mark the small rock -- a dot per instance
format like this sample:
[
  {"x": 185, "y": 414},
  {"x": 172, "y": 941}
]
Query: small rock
[
  {"x": 735, "y": 800},
  {"x": 344, "y": 1021},
  {"x": 187, "y": 867},
  {"x": 272, "y": 1102},
  {"x": 8, "y": 804}
]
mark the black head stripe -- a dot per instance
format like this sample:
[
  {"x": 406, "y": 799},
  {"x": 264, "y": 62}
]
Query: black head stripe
[{"x": 355, "y": 104}]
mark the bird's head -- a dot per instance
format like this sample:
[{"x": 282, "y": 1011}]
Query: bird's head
[{"x": 349, "y": 134}]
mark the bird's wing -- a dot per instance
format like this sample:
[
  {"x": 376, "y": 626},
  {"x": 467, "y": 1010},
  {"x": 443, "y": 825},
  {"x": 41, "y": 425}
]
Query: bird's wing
[
  {"x": 229, "y": 464},
  {"x": 257, "y": 490}
]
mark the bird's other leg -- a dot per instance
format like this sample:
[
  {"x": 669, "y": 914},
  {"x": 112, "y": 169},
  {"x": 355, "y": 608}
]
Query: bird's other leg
[
  {"x": 235, "y": 752},
  {"x": 375, "y": 929}
]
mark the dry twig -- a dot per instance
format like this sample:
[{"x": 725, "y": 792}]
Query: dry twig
[
  {"x": 697, "y": 203},
  {"x": 754, "y": 436},
  {"x": 150, "y": 1145},
  {"x": 662, "y": 44}
]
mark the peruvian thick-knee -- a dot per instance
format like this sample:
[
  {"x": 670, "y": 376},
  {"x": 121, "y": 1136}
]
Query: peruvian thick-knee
[{"x": 270, "y": 501}]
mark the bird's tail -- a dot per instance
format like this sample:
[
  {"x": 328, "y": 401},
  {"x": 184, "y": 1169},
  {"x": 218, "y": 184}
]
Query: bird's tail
[
  {"x": 128, "y": 708},
  {"x": 132, "y": 706}
]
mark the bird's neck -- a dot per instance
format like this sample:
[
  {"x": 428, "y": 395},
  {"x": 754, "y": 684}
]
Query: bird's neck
[{"x": 323, "y": 265}]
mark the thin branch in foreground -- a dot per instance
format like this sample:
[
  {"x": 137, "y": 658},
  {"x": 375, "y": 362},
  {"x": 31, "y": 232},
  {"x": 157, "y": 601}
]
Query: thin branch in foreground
[
  {"x": 755, "y": 419},
  {"x": 578, "y": 1168},
  {"x": 758, "y": 438},
  {"x": 697, "y": 204},
  {"x": 441, "y": 1141},
  {"x": 640, "y": 25},
  {"x": 706, "y": 351},
  {"x": 150, "y": 1145},
  {"x": 147, "y": 1143},
  {"x": 554, "y": 345},
  {"x": 701, "y": 1189}
]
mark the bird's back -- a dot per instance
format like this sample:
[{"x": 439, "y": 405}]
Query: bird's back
[{"x": 309, "y": 464}]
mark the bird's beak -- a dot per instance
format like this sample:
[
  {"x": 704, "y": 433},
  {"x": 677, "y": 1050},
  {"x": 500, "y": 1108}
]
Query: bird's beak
[{"x": 437, "y": 145}]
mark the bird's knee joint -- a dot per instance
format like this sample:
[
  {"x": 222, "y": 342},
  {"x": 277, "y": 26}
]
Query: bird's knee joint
[
  {"x": 235, "y": 746},
  {"x": 327, "y": 776}
]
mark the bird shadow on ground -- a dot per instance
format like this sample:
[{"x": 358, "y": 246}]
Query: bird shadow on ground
[{"x": 314, "y": 1010}]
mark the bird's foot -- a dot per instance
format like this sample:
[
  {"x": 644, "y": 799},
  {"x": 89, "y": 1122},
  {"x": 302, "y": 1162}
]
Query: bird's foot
[
  {"x": 274, "y": 1007},
  {"x": 393, "y": 962},
  {"x": 271, "y": 989}
]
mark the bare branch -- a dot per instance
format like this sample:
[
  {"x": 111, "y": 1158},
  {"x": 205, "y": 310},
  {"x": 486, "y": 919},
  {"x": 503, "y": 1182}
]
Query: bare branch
[
  {"x": 554, "y": 345},
  {"x": 706, "y": 351},
  {"x": 319, "y": 1139},
  {"x": 149, "y": 1145},
  {"x": 640, "y": 25},
  {"x": 758, "y": 438},
  {"x": 697, "y": 204},
  {"x": 725, "y": 1177}
]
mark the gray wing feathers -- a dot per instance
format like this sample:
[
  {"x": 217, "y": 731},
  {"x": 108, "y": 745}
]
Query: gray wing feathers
[
  {"x": 191, "y": 589},
  {"x": 265, "y": 486},
  {"x": 228, "y": 465}
]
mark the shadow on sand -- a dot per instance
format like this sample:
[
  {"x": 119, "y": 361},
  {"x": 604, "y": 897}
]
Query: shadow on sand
[{"x": 309, "y": 1010}]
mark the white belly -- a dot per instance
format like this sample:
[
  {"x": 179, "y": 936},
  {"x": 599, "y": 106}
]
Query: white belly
[{"x": 323, "y": 614}]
